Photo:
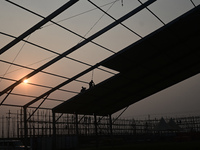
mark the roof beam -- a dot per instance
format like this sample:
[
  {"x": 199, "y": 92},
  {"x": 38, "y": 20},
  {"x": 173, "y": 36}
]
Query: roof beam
[
  {"x": 38, "y": 25},
  {"x": 85, "y": 42}
]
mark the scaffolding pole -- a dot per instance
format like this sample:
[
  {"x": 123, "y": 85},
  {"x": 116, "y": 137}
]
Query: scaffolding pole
[
  {"x": 54, "y": 131},
  {"x": 25, "y": 129}
]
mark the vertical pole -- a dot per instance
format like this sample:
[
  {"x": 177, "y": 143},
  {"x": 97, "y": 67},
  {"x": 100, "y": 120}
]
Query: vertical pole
[
  {"x": 8, "y": 124},
  {"x": 17, "y": 125},
  {"x": 96, "y": 130},
  {"x": 3, "y": 126},
  {"x": 77, "y": 132},
  {"x": 38, "y": 125},
  {"x": 110, "y": 121},
  {"x": 111, "y": 130},
  {"x": 54, "y": 131},
  {"x": 21, "y": 123},
  {"x": 13, "y": 127},
  {"x": 25, "y": 128}
]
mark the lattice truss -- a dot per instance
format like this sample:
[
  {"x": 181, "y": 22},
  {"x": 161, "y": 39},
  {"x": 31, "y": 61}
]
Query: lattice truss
[{"x": 52, "y": 45}]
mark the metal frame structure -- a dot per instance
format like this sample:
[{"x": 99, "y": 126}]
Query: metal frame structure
[{"x": 45, "y": 95}]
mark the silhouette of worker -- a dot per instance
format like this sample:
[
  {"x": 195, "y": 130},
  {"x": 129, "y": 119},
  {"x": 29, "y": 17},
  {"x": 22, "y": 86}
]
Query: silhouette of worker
[
  {"x": 91, "y": 84},
  {"x": 83, "y": 89}
]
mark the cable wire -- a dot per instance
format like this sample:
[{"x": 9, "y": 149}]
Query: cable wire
[
  {"x": 15, "y": 58},
  {"x": 79, "y": 14},
  {"x": 99, "y": 20}
]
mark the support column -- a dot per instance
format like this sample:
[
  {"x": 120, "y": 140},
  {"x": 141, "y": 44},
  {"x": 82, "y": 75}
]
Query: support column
[
  {"x": 25, "y": 128},
  {"x": 54, "y": 131}
]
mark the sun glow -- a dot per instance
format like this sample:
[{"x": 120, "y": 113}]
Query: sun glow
[{"x": 25, "y": 81}]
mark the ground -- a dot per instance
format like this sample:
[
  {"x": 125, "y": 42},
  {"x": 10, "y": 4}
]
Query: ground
[{"x": 189, "y": 145}]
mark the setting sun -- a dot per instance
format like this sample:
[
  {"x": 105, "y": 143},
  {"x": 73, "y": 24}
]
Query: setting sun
[{"x": 25, "y": 81}]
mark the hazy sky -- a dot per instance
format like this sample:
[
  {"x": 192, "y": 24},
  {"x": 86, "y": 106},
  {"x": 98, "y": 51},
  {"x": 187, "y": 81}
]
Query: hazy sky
[{"x": 85, "y": 20}]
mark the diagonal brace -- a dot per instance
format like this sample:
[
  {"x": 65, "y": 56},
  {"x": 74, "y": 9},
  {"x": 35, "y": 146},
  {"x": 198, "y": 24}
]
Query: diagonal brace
[
  {"x": 36, "y": 108},
  {"x": 6, "y": 97}
]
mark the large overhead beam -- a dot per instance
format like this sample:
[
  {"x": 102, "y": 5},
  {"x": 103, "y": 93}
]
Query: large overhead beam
[
  {"x": 38, "y": 25},
  {"x": 85, "y": 42}
]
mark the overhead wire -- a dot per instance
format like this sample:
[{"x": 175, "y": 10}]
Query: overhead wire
[
  {"x": 15, "y": 58},
  {"x": 80, "y": 14},
  {"x": 99, "y": 19},
  {"x": 10, "y": 67}
]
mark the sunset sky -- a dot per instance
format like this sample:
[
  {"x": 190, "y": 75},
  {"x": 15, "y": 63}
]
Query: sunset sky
[{"x": 85, "y": 19}]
